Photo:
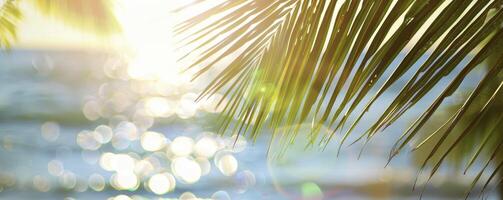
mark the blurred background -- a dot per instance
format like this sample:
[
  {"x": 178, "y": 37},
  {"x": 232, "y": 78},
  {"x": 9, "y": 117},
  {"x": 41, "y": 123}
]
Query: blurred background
[{"x": 98, "y": 108}]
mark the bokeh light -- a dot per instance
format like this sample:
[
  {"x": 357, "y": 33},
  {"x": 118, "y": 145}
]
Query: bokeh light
[
  {"x": 41, "y": 183},
  {"x": 55, "y": 167},
  {"x": 205, "y": 165},
  {"x": 159, "y": 107},
  {"x": 152, "y": 141},
  {"x": 121, "y": 197},
  {"x": 68, "y": 180},
  {"x": 187, "y": 106},
  {"x": 311, "y": 190},
  {"x": 182, "y": 146},
  {"x": 124, "y": 181},
  {"x": 206, "y": 147},
  {"x": 105, "y": 133},
  {"x": 161, "y": 183},
  {"x": 220, "y": 195},
  {"x": 226, "y": 163},
  {"x": 50, "y": 131},
  {"x": 96, "y": 182},
  {"x": 186, "y": 169},
  {"x": 123, "y": 163},
  {"x": 89, "y": 140},
  {"x": 244, "y": 180},
  {"x": 188, "y": 196}
]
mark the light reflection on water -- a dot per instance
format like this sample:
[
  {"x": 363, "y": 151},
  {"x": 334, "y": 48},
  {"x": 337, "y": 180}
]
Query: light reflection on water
[
  {"x": 142, "y": 139},
  {"x": 135, "y": 157},
  {"x": 139, "y": 101}
]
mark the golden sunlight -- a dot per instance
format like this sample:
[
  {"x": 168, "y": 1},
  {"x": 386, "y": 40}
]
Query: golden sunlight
[{"x": 147, "y": 29}]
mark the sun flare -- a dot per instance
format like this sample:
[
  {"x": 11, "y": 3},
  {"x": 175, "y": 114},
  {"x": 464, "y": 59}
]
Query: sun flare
[{"x": 147, "y": 29}]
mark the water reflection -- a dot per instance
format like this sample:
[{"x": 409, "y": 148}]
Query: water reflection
[
  {"x": 131, "y": 101},
  {"x": 136, "y": 103},
  {"x": 50, "y": 131},
  {"x": 161, "y": 183},
  {"x": 226, "y": 163},
  {"x": 96, "y": 182}
]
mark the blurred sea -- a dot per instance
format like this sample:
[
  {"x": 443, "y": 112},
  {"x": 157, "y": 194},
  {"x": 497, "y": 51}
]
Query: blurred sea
[{"x": 42, "y": 85}]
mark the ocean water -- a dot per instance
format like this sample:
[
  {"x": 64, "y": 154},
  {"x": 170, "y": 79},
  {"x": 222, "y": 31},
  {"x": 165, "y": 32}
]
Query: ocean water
[{"x": 39, "y": 86}]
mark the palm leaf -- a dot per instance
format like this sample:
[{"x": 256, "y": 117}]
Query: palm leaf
[
  {"x": 328, "y": 62},
  {"x": 88, "y": 15},
  {"x": 9, "y": 17}
]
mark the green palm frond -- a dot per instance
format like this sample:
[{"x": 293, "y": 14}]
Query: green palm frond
[
  {"x": 9, "y": 17},
  {"x": 472, "y": 140},
  {"x": 328, "y": 62},
  {"x": 88, "y": 15}
]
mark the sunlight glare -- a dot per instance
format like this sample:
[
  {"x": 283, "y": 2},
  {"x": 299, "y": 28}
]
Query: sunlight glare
[
  {"x": 158, "y": 107},
  {"x": 122, "y": 197},
  {"x": 186, "y": 169},
  {"x": 147, "y": 28},
  {"x": 206, "y": 147},
  {"x": 123, "y": 163},
  {"x": 160, "y": 184},
  {"x": 125, "y": 181},
  {"x": 152, "y": 141},
  {"x": 182, "y": 146}
]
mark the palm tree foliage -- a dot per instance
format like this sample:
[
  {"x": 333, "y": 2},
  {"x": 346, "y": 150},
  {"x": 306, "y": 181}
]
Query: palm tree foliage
[
  {"x": 90, "y": 15},
  {"x": 484, "y": 144},
  {"x": 9, "y": 16},
  {"x": 95, "y": 15},
  {"x": 327, "y": 62}
]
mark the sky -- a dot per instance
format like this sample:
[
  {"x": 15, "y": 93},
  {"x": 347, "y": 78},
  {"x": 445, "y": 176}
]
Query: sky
[
  {"x": 39, "y": 31},
  {"x": 142, "y": 22}
]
